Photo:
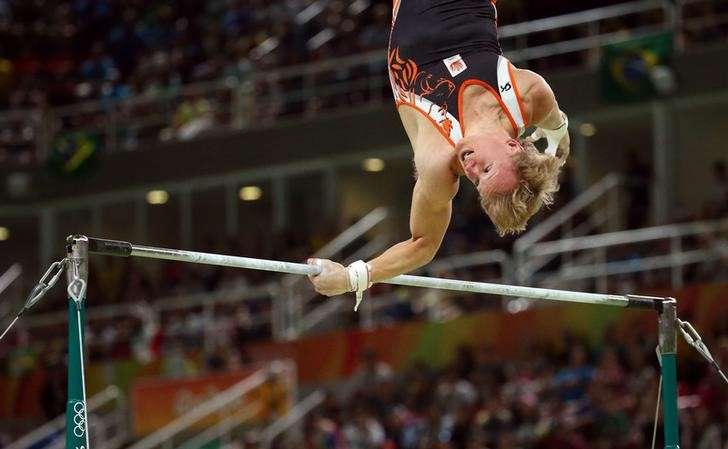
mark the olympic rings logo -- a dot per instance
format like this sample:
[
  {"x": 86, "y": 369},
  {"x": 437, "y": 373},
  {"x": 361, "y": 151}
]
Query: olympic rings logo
[{"x": 79, "y": 419}]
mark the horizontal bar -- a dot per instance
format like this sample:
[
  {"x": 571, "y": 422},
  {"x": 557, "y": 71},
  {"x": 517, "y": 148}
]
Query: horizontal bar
[
  {"x": 405, "y": 280},
  {"x": 149, "y": 252},
  {"x": 543, "y": 294}
]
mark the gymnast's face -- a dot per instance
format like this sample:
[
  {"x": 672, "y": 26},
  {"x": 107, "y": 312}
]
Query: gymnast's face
[{"x": 487, "y": 161}]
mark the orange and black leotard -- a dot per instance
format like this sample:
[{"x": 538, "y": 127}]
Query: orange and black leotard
[{"x": 439, "y": 47}]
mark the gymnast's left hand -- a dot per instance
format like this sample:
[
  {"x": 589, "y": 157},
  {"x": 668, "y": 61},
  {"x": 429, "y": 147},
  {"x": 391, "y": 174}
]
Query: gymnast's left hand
[{"x": 333, "y": 279}]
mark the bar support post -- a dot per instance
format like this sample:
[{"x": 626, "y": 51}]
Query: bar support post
[
  {"x": 668, "y": 354},
  {"x": 77, "y": 275}
]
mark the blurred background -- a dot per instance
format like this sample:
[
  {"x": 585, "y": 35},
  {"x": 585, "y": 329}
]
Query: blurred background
[{"x": 267, "y": 129}]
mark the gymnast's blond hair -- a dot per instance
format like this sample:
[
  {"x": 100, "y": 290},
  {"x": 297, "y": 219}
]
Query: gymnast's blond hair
[{"x": 539, "y": 181}]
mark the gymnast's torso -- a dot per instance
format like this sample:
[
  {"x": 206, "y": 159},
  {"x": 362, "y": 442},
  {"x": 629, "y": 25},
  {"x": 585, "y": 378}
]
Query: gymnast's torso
[{"x": 437, "y": 49}]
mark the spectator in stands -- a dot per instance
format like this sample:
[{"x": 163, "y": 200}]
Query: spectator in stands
[
  {"x": 571, "y": 381},
  {"x": 374, "y": 36},
  {"x": 371, "y": 372},
  {"x": 176, "y": 361},
  {"x": 364, "y": 431},
  {"x": 616, "y": 410}
]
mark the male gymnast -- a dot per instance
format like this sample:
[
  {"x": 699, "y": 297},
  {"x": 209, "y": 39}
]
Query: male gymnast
[{"x": 464, "y": 108}]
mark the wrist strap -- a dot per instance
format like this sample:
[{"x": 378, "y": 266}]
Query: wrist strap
[
  {"x": 554, "y": 136},
  {"x": 358, "y": 273}
]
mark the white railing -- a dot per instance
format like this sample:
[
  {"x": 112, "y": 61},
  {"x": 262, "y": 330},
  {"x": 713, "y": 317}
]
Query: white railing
[
  {"x": 181, "y": 431},
  {"x": 10, "y": 276},
  {"x": 330, "y": 310},
  {"x": 600, "y": 268},
  {"x": 167, "y": 304},
  {"x": 432, "y": 304},
  {"x": 6, "y": 280},
  {"x": 293, "y": 417},
  {"x": 296, "y": 291},
  {"x": 261, "y": 99},
  {"x": 222, "y": 432},
  {"x": 110, "y": 430},
  {"x": 601, "y": 204}
]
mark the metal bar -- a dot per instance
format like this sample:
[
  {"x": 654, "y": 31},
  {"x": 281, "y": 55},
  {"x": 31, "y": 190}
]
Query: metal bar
[
  {"x": 468, "y": 260},
  {"x": 224, "y": 427},
  {"x": 531, "y": 266},
  {"x": 406, "y": 280},
  {"x": 584, "y": 200},
  {"x": 317, "y": 315},
  {"x": 577, "y": 18},
  {"x": 631, "y": 266},
  {"x": 361, "y": 227},
  {"x": 580, "y": 44},
  {"x": 625, "y": 237},
  {"x": 298, "y": 412},
  {"x": 10, "y": 276}
]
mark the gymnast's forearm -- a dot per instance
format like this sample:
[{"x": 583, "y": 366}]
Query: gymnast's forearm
[
  {"x": 429, "y": 219},
  {"x": 403, "y": 257}
]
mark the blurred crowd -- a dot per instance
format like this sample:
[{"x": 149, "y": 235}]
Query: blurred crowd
[
  {"x": 61, "y": 52},
  {"x": 57, "y": 52},
  {"x": 569, "y": 397}
]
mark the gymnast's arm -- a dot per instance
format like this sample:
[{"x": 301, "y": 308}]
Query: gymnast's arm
[
  {"x": 429, "y": 219},
  {"x": 430, "y": 212},
  {"x": 545, "y": 111}
]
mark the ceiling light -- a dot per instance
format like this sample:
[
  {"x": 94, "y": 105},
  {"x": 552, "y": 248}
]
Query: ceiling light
[
  {"x": 373, "y": 165},
  {"x": 250, "y": 193},
  {"x": 587, "y": 129},
  {"x": 157, "y": 197}
]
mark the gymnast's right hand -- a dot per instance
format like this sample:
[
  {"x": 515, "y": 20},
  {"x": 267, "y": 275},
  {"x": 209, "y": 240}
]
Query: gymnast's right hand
[{"x": 333, "y": 279}]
